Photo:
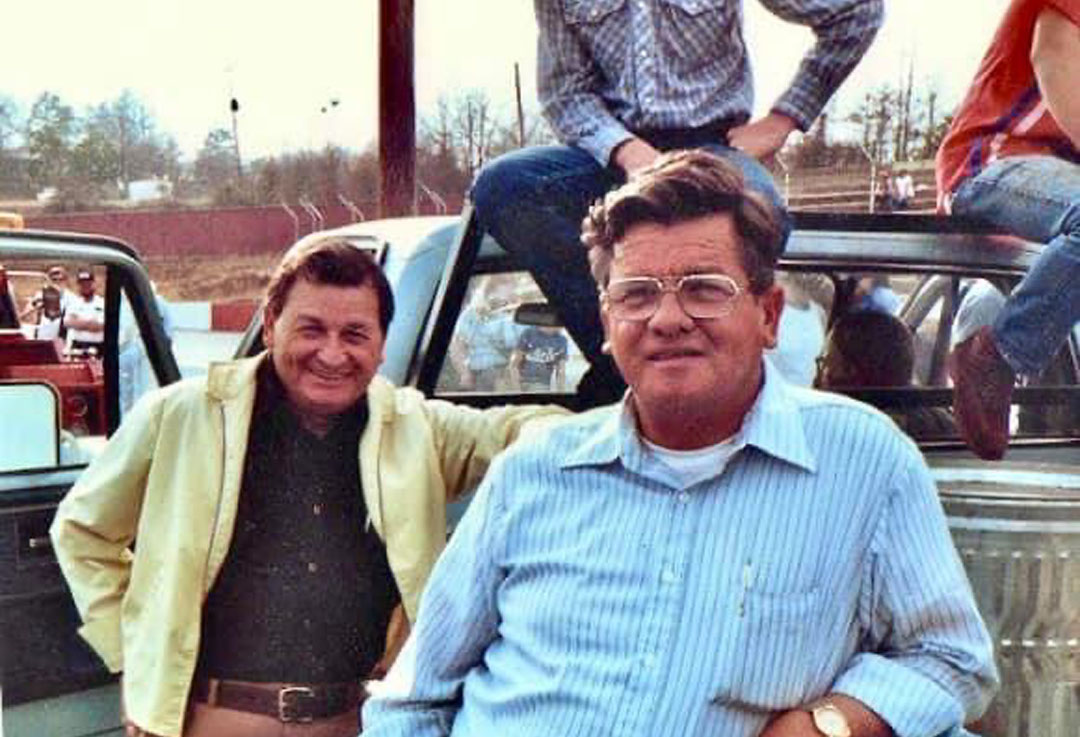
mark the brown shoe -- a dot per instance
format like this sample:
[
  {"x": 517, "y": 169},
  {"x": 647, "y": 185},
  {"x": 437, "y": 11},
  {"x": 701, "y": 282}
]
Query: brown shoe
[{"x": 982, "y": 391}]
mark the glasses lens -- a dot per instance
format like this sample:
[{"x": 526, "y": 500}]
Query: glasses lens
[
  {"x": 707, "y": 295},
  {"x": 633, "y": 299}
]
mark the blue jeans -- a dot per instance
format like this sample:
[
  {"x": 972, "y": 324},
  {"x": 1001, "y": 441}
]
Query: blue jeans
[
  {"x": 533, "y": 201},
  {"x": 1037, "y": 198}
]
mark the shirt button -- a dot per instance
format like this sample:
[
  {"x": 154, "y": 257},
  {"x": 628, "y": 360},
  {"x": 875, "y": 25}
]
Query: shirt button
[
  {"x": 684, "y": 496},
  {"x": 668, "y": 576},
  {"x": 316, "y": 509},
  {"x": 312, "y": 567}
]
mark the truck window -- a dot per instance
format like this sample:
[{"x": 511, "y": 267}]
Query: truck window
[
  {"x": 500, "y": 348},
  {"x": 52, "y": 336}
]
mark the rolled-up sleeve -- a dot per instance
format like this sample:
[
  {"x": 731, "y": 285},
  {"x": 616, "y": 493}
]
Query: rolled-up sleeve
[
  {"x": 930, "y": 665},
  {"x": 844, "y": 30}
]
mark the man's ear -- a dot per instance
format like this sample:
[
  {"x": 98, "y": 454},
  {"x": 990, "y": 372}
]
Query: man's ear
[
  {"x": 772, "y": 306},
  {"x": 268, "y": 329},
  {"x": 605, "y": 321}
]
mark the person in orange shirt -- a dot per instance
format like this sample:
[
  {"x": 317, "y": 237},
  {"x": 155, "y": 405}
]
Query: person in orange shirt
[{"x": 1012, "y": 159}]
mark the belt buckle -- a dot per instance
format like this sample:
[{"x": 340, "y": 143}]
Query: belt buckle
[{"x": 287, "y": 710}]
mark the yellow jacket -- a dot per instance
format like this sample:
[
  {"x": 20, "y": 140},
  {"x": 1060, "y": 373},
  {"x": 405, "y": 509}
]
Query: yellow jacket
[{"x": 169, "y": 480}]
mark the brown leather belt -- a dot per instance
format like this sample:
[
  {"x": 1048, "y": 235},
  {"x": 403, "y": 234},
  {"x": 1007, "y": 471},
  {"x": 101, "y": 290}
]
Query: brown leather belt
[{"x": 286, "y": 702}]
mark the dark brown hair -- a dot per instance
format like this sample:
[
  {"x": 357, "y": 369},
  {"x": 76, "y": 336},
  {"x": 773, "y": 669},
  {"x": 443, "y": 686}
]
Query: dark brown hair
[
  {"x": 877, "y": 348},
  {"x": 333, "y": 262},
  {"x": 680, "y": 186}
]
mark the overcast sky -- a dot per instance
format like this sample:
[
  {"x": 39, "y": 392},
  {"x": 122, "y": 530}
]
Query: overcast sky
[{"x": 286, "y": 61}]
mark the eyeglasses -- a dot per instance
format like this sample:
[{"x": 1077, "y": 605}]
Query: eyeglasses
[{"x": 701, "y": 296}]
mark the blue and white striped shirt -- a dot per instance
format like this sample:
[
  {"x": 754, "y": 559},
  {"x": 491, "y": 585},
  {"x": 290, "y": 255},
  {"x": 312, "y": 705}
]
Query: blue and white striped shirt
[
  {"x": 586, "y": 592},
  {"x": 607, "y": 67}
]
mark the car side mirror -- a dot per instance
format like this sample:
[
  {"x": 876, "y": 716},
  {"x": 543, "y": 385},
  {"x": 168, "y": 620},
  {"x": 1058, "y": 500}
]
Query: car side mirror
[
  {"x": 540, "y": 314},
  {"x": 32, "y": 440}
]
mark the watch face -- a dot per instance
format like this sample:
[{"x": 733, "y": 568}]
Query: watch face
[{"x": 831, "y": 721}]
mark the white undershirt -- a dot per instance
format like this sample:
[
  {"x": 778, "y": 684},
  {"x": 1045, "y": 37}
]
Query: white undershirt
[{"x": 693, "y": 466}]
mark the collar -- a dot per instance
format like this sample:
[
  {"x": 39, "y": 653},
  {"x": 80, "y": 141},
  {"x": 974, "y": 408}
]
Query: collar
[
  {"x": 228, "y": 380},
  {"x": 273, "y": 408},
  {"x": 773, "y": 425}
]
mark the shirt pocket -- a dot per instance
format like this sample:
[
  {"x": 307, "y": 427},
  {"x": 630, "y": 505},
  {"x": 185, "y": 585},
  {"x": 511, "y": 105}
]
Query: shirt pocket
[
  {"x": 584, "y": 12},
  {"x": 697, "y": 34},
  {"x": 769, "y": 663}
]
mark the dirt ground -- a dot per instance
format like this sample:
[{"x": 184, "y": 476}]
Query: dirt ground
[{"x": 199, "y": 278}]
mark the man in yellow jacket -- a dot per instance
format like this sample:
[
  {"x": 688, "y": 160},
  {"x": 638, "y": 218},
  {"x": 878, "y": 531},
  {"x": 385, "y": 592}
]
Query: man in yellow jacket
[{"x": 239, "y": 546}]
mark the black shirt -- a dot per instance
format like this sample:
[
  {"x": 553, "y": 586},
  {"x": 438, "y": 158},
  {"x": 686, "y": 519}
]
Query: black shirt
[{"x": 305, "y": 593}]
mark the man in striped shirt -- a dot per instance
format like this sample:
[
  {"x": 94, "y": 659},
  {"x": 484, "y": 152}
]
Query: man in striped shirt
[
  {"x": 720, "y": 554},
  {"x": 1012, "y": 159},
  {"x": 621, "y": 81}
]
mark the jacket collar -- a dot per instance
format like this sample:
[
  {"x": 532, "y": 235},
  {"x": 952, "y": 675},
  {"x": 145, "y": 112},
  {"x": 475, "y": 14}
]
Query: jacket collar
[{"x": 228, "y": 380}]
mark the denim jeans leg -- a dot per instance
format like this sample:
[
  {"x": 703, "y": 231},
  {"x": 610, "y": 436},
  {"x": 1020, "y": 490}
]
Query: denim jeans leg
[
  {"x": 757, "y": 178},
  {"x": 533, "y": 201},
  {"x": 1037, "y": 198}
]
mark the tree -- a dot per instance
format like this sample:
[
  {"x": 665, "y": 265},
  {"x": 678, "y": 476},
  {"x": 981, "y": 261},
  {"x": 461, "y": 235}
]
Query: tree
[
  {"x": 95, "y": 159},
  {"x": 13, "y": 177},
  {"x": 50, "y": 133},
  {"x": 215, "y": 164},
  {"x": 8, "y": 124}
]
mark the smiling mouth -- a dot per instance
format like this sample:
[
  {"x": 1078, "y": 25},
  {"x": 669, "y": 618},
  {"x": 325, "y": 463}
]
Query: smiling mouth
[
  {"x": 674, "y": 355},
  {"x": 330, "y": 378}
]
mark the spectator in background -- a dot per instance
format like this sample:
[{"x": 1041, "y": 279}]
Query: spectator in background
[
  {"x": 485, "y": 339},
  {"x": 874, "y": 293},
  {"x": 903, "y": 191},
  {"x": 84, "y": 317},
  {"x": 1011, "y": 158},
  {"x": 620, "y": 82},
  {"x": 871, "y": 349},
  {"x": 883, "y": 190},
  {"x": 540, "y": 356},
  {"x": 980, "y": 304},
  {"x": 48, "y": 322},
  {"x": 56, "y": 277},
  {"x": 807, "y": 298}
]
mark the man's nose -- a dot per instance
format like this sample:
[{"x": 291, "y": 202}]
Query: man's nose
[
  {"x": 333, "y": 351},
  {"x": 670, "y": 314}
]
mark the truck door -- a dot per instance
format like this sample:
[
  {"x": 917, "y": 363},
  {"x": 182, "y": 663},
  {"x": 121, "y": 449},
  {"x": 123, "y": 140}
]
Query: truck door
[{"x": 80, "y": 341}]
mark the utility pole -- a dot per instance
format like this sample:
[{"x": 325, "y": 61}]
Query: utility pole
[
  {"x": 520, "y": 112},
  {"x": 397, "y": 109},
  {"x": 234, "y": 108}
]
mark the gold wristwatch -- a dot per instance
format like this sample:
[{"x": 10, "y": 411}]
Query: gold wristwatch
[{"x": 828, "y": 719}]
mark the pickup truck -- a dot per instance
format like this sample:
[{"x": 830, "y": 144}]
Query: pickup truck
[{"x": 1016, "y": 523}]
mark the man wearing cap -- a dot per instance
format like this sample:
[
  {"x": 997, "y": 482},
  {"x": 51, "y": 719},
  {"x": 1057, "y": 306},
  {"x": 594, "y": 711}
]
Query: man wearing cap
[
  {"x": 280, "y": 508},
  {"x": 56, "y": 278},
  {"x": 84, "y": 316}
]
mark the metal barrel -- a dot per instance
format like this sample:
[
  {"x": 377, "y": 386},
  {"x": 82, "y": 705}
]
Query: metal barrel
[{"x": 1017, "y": 529}]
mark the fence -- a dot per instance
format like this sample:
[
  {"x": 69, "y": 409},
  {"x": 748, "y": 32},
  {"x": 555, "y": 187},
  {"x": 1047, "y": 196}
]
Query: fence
[
  {"x": 849, "y": 189},
  {"x": 214, "y": 231}
]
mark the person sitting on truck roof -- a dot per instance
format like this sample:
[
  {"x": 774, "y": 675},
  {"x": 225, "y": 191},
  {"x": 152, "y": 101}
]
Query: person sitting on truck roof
[
  {"x": 1011, "y": 158},
  {"x": 620, "y": 82},
  {"x": 720, "y": 554},
  {"x": 280, "y": 508}
]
